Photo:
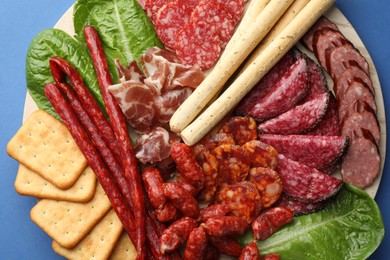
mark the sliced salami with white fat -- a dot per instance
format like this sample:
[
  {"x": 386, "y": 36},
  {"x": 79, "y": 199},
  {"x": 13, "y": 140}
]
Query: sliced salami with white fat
[
  {"x": 314, "y": 151},
  {"x": 306, "y": 183},
  {"x": 299, "y": 119},
  {"x": 198, "y": 43},
  {"x": 262, "y": 88},
  {"x": 285, "y": 94}
]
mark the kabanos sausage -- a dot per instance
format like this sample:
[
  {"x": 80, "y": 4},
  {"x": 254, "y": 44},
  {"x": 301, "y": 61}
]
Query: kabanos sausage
[
  {"x": 67, "y": 115},
  {"x": 153, "y": 183},
  {"x": 221, "y": 226},
  {"x": 250, "y": 252},
  {"x": 176, "y": 234},
  {"x": 271, "y": 221},
  {"x": 187, "y": 165},
  {"x": 226, "y": 245},
  {"x": 118, "y": 123},
  {"x": 181, "y": 199},
  {"x": 196, "y": 244}
]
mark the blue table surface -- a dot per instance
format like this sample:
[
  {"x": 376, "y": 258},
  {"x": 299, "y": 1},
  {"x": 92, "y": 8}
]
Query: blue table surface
[{"x": 21, "y": 20}]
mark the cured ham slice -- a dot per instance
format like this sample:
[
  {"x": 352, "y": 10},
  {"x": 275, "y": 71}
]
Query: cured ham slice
[
  {"x": 165, "y": 72},
  {"x": 136, "y": 100},
  {"x": 168, "y": 102}
]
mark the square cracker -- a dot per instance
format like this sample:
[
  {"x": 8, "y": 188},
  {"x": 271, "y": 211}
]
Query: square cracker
[
  {"x": 69, "y": 222},
  {"x": 97, "y": 244},
  {"x": 44, "y": 145},
  {"x": 29, "y": 183},
  {"x": 124, "y": 249}
]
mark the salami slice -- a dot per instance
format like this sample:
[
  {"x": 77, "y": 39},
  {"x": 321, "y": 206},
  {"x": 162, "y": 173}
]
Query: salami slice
[
  {"x": 242, "y": 129},
  {"x": 198, "y": 43},
  {"x": 317, "y": 82},
  {"x": 300, "y": 207},
  {"x": 243, "y": 198},
  {"x": 341, "y": 57},
  {"x": 262, "y": 88},
  {"x": 233, "y": 165},
  {"x": 268, "y": 184},
  {"x": 365, "y": 119},
  {"x": 330, "y": 123},
  {"x": 324, "y": 42},
  {"x": 235, "y": 7},
  {"x": 350, "y": 74},
  {"x": 285, "y": 94},
  {"x": 299, "y": 119},
  {"x": 314, "y": 151},
  {"x": 306, "y": 183},
  {"x": 170, "y": 19},
  {"x": 215, "y": 13},
  {"x": 362, "y": 162},
  {"x": 322, "y": 22},
  {"x": 260, "y": 154},
  {"x": 357, "y": 91},
  {"x": 152, "y": 6}
]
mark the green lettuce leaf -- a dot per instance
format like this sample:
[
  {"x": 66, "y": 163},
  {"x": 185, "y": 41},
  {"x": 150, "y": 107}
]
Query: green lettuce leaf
[
  {"x": 350, "y": 227},
  {"x": 50, "y": 43},
  {"x": 125, "y": 30}
]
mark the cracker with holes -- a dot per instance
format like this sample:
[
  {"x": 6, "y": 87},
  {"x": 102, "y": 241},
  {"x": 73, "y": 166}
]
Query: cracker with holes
[
  {"x": 69, "y": 222},
  {"x": 124, "y": 248},
  {"x": 29, "y": 183},
  {"x": 44, "y": 145},
  {"x": 97, "y": 244}
]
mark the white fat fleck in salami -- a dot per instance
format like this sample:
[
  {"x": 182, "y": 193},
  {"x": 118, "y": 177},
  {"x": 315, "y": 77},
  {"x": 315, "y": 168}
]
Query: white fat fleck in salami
[
  {"x": 136, "y": 100},
  {"x": 152, "y": 6},
  {"x": 299, "y": 119},
  {"x": 198, "y": 43},
  {"x": 306, "y": 183},
  {"x": 362, "y": 163},
  {"x": 314, "y": 151},
  {"x": 285, "y": 94}
]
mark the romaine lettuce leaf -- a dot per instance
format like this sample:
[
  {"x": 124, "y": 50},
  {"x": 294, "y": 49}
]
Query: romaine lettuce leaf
[{"x": 350, "y": 227}]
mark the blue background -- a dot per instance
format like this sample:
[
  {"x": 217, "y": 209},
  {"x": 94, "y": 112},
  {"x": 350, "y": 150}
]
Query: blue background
[{"x": 21, "y": 20}]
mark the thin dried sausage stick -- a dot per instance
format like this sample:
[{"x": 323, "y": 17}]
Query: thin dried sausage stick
[
  {"x": 119, "y": 126},
  {"x": 67, "y": 115},
  {"x": 59, "y": 68},
  {"x": 96, "y": 137}
]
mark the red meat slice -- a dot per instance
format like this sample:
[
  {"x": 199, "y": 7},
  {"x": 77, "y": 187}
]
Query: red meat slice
[
  {"x": 169, "y": 101},
  {"x": 262, "y": 88},
  {"x": 322, "y": 22},
  {"x": 198, "y": 43},
  {"x": 353, "y": 73},
  {"x": 314, "y": 151},
  {"x": 136, "y": 100},
  {"x": 317, "y": 82},
  {"x": 299, "y": 119},
  {"x": 285, "y": 94},
  {"x": 304, "y": 182},
  {"x": 300, "y": 207}
]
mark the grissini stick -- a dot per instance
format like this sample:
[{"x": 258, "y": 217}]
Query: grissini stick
[
  {"x": 255, "y": 70},
  {"x": 243, "y": 45}
]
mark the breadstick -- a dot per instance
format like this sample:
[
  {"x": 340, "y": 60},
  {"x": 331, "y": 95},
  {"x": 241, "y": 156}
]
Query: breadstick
[
  {"x": 228, "y": 63},
  {"x": 255, "y": 70}
]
